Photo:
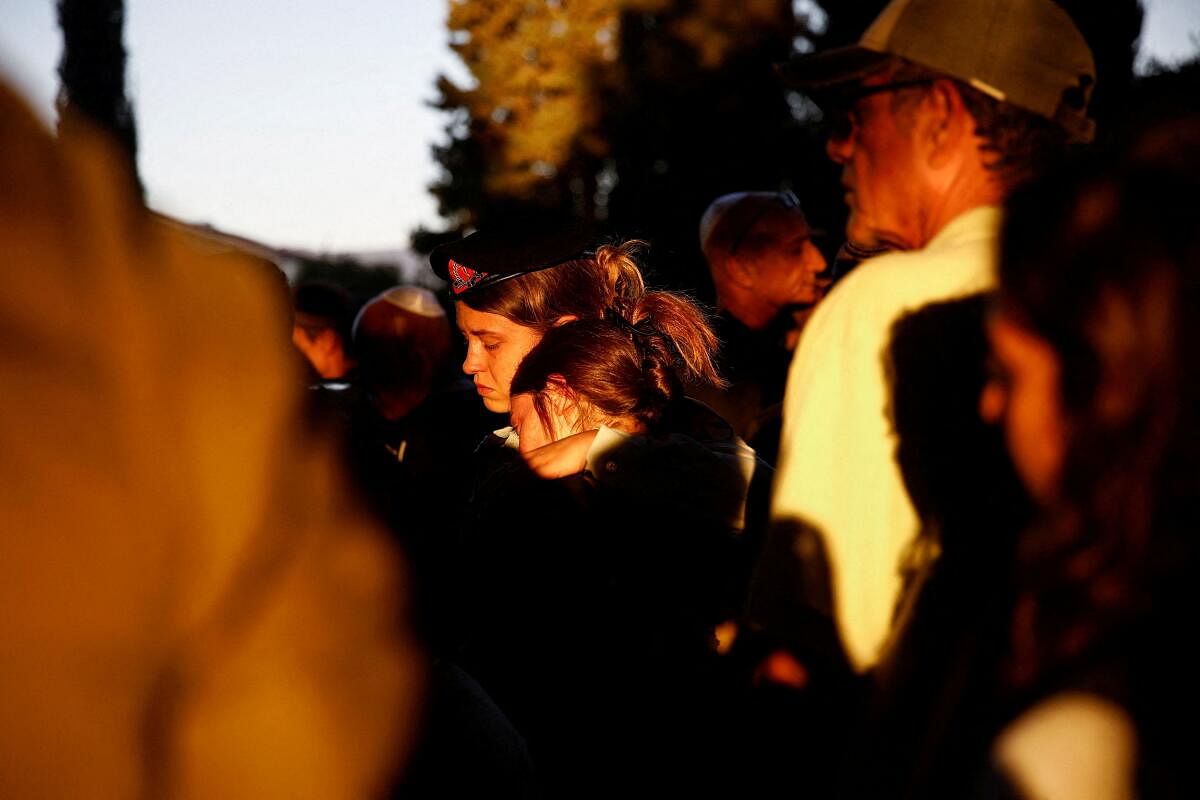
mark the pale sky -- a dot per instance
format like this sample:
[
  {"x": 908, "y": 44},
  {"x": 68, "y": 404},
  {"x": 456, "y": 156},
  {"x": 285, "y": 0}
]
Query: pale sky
[
  {"x": 295, "y": 122},
  {"x": 303, "y": 123}
]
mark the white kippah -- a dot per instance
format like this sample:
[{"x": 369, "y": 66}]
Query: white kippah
[
  {"x": 713, "y": 214},
  {"x": 410, "y": 299},
  {"x": 414, "y": 300}
]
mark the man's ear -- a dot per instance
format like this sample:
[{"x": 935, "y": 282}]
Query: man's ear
[
  {"x": 563, "y": 320},
  {"x": 943, "y": 123},
  {"x": 740, "y": 273}
]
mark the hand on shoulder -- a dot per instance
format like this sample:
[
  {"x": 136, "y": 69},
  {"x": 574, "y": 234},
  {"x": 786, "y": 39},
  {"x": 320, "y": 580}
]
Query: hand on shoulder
[{"x": 565, "y": 457}]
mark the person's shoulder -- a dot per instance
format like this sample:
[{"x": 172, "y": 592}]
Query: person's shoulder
[
  {"x": 877, "y": 273},
  {"x": 1071, "y": 745},
  {"x": 959, "y": 260},
  {"x": 897, "y": 276},
  {"x": 864, "y": 299}
]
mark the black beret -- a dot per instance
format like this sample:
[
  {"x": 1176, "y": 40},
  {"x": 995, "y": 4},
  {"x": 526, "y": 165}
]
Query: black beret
[{"x": 486, "y": 258}]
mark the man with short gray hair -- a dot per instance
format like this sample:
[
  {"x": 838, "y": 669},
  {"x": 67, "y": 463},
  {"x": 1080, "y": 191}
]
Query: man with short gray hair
[{"x": 768, "y": 277}]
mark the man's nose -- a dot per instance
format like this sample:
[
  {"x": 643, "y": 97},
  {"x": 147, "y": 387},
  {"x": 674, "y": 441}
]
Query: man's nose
[
  {"x": 839, "y": 146},
  {"x": 817, "y": 260}
]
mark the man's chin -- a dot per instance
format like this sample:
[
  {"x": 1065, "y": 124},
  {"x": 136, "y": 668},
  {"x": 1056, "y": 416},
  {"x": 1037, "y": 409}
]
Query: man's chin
[{"x": 862, "y": 235}]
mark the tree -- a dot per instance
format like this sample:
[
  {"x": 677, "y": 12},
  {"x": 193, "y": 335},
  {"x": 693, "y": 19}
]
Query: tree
[
  {"x": 92, "y": 71},
  {"x": 613, "y": 112},
  {"x": 1112, "y": 29},
  {"x": 531, "y": 111}
]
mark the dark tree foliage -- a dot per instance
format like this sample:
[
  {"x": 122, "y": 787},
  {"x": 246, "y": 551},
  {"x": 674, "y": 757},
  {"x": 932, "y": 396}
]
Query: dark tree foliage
[
  {"x": 846, "y": 20},
  {"x": 1165, "y": 92},
  {"x": 524, "y": 128},
  {"x": 423, "y": 240},
  {"x": 685, "y": 127},
  {"x": 92, "y": 72},
  {"x": 459, "y": 192},
  {"x": 1112, "y": 29}
]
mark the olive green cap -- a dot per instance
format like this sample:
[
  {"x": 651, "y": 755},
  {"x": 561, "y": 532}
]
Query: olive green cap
[{"x": 1024, "y": 52}]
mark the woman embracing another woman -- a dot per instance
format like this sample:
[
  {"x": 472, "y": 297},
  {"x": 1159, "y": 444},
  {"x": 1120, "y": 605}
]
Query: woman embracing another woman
[{"x": 605, "y": 529}]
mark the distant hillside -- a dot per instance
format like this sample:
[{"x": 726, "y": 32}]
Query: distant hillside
[{"x": 407, "y": 265}]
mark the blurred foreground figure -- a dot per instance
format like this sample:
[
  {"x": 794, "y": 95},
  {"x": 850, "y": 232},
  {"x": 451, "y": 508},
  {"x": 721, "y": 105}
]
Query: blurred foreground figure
[
  {"x": 189, "y": 606},
  {"x": 1099, "y": 394}
]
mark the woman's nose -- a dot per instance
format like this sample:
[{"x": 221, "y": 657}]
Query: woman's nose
[{"x": 473, "y": 363}]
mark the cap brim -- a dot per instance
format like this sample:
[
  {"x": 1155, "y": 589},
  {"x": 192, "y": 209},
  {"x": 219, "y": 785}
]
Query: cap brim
[
  {"x": 827, "y": 72},
  {"x": 497, "y": 255}
]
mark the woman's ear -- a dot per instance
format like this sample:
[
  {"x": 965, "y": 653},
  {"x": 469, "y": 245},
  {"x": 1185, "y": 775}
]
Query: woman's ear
[
  {"x": 566, "y": 404},
  {"x": 558, "y": 391},
  {"x": 563, "y": 320}
]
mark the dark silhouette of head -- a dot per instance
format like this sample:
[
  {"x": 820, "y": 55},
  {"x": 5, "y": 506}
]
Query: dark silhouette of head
[
  {"x": 323, "y": 313},
  {"x": 1101, "y": 263}
]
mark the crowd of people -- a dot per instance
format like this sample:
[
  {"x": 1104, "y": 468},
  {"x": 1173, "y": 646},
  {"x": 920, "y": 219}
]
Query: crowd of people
[{"x": 918, "y": 520}]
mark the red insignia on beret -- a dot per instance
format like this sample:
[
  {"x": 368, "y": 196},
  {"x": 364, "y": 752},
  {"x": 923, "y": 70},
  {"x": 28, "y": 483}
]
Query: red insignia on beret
[{"x": 463, "y": 278}]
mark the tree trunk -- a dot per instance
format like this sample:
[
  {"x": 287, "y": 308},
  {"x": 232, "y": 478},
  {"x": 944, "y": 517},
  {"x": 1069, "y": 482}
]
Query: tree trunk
[{"x": 92, "y": 71}]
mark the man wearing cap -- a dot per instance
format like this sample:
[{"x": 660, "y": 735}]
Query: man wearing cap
[
  {"x": 939, "y": 110},
  {"x": 768, "y": 276}
]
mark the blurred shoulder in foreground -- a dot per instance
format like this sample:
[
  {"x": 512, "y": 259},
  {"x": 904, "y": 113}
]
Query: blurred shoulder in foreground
[{"x": 189, "y": 603}]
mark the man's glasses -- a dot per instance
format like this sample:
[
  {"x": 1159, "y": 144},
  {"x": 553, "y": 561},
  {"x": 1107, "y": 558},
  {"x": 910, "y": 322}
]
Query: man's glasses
[{"x": 842, "y": 117}]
